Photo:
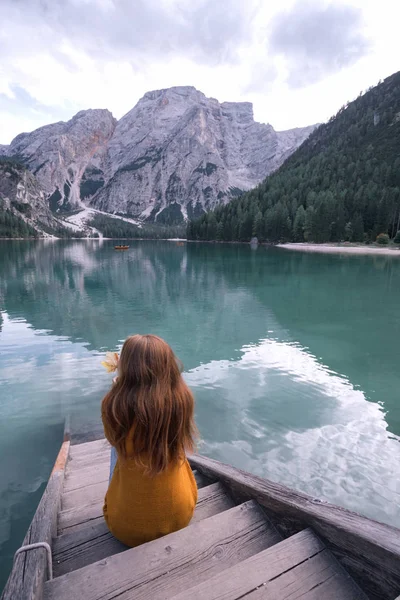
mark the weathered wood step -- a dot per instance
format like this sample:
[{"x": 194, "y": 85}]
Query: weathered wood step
[
  {"x": 77, "y": 478},
  {"x": 159, "y": 569},
  {"x": 80, "y": 450},
  {"x": 93, "y": 542},
  {"x": 298, "y": 567},
  {"x": 100, "y": 458}
]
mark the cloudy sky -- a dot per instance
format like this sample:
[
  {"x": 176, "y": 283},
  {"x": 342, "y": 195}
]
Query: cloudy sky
[{"x": 298, "y": 61}]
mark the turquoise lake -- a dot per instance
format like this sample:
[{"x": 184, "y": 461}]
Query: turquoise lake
[{"x": 293, "y": 359}]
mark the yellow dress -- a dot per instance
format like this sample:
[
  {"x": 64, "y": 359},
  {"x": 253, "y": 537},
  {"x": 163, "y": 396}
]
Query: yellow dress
[{"x": 139, "y": 508}]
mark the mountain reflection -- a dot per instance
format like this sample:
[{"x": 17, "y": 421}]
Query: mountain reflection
[{"x": 92, "y": 294}]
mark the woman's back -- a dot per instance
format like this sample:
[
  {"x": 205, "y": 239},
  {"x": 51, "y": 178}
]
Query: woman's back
[{"x": 148, "y": 419}]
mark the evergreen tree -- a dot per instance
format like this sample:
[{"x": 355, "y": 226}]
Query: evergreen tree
[
  {"x": 358, "y": 229},
  {"x": 299, "y": 224},
  {"x": 348, "y": 232}
]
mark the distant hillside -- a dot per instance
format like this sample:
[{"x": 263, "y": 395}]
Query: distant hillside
[{"x": 343, "y": 183}]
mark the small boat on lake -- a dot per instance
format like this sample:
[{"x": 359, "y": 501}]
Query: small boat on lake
[
  {"x": 249, "y": 538},
  {"x": 121, "y": 247}
]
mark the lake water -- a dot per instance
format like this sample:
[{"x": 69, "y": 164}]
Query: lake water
[{"x": 293, "y": 359}]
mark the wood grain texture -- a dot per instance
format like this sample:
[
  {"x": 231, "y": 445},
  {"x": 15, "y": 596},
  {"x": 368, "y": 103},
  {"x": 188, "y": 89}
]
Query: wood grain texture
[
  {"x": 298, "y": 567},
  {"x": 83, "y": 547},
  {"x": 369, "y": 550},
  {"x": 258, "y": 569},
  {"x": 89, "y": 494},
  {"x": 211, "y": 500},
  {"x": 70, "y": 520},
  {"x": 318, "y": 578},
  {"x": 29, "y": 572},
  {"x": 76, "y": 478},
  {"x": 161, "y": 568},
  {"x": 93, "y": 541},
  {"x": 89, "y": 448},
  {"x": 82, "y": 462}
]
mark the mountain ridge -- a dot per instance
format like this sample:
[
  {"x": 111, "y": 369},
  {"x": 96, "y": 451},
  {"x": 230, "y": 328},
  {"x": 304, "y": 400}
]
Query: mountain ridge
[{"x": 174, "y": 155}]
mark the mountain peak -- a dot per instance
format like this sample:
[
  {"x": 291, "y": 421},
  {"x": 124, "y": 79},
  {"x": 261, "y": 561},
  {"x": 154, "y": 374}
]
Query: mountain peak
[
  {"x": 174, "y": 155},
  {"x": 183, "y": 91}
]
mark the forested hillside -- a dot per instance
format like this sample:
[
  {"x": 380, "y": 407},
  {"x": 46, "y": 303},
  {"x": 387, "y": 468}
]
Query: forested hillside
[{"x": 343, "y": 183}]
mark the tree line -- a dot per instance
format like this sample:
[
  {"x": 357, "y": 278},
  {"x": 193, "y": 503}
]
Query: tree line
[{"x": 117, "y": 228}]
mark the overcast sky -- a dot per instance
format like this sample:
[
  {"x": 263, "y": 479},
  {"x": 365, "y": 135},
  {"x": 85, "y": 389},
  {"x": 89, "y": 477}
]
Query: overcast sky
[{"x": 298, "y": 61}]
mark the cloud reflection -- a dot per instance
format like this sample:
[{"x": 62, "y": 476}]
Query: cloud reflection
[{"x": 279, "y": 413}]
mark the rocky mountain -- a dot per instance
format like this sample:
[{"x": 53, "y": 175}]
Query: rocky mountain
[
  {"x": 62, "y": 154},
  {"x": 24, "y": 209},
  {"x": 175, "y": 155}
]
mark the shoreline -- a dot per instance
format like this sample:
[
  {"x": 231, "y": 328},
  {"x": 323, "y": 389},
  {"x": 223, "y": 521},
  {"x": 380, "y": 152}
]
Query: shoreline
[{"x": 332, "y": 249}]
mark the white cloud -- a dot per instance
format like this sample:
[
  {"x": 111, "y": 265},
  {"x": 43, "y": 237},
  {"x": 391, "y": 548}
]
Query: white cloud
[{"x": 73, "y": 55}]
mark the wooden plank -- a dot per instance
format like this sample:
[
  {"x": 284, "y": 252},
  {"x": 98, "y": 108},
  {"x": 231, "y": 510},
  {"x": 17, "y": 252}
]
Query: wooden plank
[
  {"x": 89, "y": 448},
  {"x": 86, "y": 545},
  {"x": 83, "y": 477},
  {"x": 319, "y": 577},
  {"x": 211, "y": 500},
  {"x": 29, "y": 572},
  {"x": 294, "y": 568},
  {"x": 89, "y": 460},
  {"x": 369, "y": 550},
  {"x": 93, "y": 542},
  {"x": 85, "y": 495},
  {"x": 160, "y": 568},
  {"x": 258, "y": 570},
  {"x": 82, "y": 462},
  {"x": 71, "y": 520}
]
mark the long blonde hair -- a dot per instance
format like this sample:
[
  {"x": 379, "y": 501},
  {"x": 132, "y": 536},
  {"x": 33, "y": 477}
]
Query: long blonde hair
[{"x": 150, "y": 405}]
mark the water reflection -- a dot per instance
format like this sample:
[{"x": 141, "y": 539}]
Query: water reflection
[{"x": 297, "y": 422}]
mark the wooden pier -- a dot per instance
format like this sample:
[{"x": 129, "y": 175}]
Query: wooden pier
[{"x": 249, "y": 539}]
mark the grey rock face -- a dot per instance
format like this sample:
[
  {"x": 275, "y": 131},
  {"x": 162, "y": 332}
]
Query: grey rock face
[
  {"x": 178, "y": 153},
  {"x": 65, "y": 157},
  {"x": 21, "y": 193},
  {"x": 174, "y": 155},
  {"x": 4, "y": 150}
]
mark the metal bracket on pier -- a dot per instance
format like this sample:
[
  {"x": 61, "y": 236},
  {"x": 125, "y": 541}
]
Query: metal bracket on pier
[{"x": 44, "y": 545}]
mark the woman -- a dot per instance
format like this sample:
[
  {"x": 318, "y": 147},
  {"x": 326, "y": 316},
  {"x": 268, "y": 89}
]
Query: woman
[{"x": 148, "y": 419}]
